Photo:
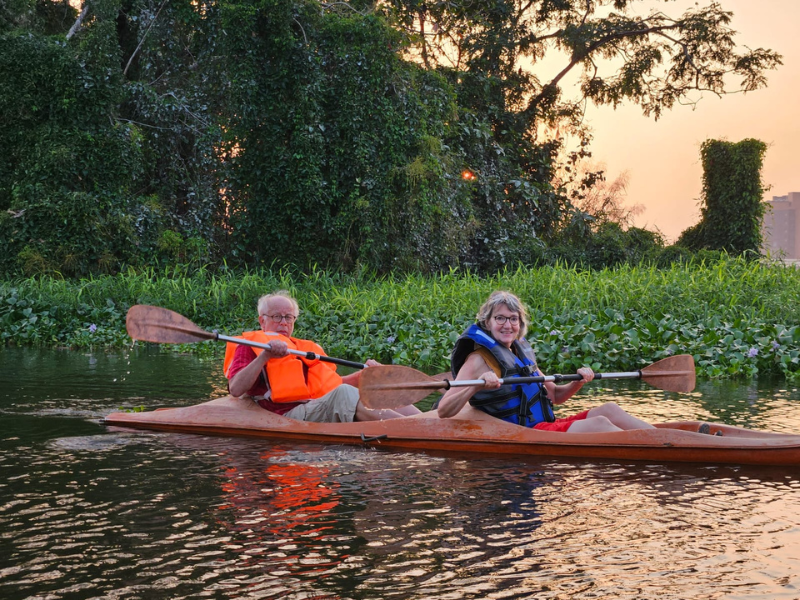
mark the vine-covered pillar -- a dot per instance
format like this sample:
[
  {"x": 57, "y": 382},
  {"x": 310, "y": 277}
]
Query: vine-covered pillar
[{"x": 732, "y": 208}]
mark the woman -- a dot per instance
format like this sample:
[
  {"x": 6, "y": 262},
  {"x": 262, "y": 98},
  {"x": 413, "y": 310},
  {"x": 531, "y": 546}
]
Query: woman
[{"x": 495, "y": 348}]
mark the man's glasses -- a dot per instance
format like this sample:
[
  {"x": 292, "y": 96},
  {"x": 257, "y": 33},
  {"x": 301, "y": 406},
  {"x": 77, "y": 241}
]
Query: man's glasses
[
  {"x": 501, "y": 319},
  {"x": 278, "y": 318}
]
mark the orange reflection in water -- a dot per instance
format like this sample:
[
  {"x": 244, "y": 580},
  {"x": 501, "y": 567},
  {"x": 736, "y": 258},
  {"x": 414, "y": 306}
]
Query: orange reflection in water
[
  {"x": 295, "y": 491},
  {"x": 282, "y": 513}
]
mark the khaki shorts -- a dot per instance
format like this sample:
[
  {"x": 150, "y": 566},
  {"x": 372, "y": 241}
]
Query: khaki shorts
[{"x": 337, "y": 406}]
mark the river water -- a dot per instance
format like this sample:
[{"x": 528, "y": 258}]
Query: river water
[{"x": 88, "y": 511}]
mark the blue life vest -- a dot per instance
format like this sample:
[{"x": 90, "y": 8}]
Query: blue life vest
[{"x": 522, "y": 404}]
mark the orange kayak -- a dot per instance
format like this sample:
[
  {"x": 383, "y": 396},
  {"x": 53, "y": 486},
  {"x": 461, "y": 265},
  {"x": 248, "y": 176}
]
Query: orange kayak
[{"x": 674, "y": 441}]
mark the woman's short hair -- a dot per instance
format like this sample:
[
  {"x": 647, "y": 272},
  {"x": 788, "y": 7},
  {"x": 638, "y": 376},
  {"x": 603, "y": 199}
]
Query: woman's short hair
[
  {"x": 511, "y": 302},
  {"x": 263, "y": 302}
]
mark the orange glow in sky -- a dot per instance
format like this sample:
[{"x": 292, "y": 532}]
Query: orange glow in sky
[{"x": 662, "y": 157}]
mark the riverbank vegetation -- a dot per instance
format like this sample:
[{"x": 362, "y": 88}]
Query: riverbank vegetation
[
  {"x": 399, "y": 137},
  {"x": 738, "y": 318}
]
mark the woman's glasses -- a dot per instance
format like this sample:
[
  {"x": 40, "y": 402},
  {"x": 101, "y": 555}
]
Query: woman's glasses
[{"x": 501, "y": 319}]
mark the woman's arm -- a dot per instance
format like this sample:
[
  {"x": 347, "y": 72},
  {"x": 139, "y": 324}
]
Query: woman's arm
[{"x": 455, "y": 398}]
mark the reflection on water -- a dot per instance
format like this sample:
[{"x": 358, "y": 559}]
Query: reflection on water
[
  {"x": 89, "y": 512},
  {"x": 765, "y": 405}
]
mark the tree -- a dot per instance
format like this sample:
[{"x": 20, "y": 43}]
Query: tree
[
  {"x": 403, "y": 135},
  {"x": 654, "y": 60},
  {"x": 492, "y": 51}
]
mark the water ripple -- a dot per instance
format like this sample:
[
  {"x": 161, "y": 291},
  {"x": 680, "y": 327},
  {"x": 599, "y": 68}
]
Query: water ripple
[{"x": 89, "y": 512}]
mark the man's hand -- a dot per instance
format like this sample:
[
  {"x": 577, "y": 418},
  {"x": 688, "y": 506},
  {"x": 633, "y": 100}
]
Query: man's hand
[{"x": 277, "y": 349}]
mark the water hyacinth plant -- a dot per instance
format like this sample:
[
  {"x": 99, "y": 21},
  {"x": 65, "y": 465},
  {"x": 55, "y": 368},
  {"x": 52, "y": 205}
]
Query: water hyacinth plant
[{"x": 737, "y": 318}]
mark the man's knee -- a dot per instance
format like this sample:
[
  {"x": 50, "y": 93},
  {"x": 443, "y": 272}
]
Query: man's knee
[
  {"x": 345, "y": 392},
  {"x": 343, "y": 402}
]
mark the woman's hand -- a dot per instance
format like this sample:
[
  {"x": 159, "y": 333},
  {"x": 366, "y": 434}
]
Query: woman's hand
[
  {"x": 586, "y": 373},
  {"x": 491, "y": 380},
  {"x": 372, "y": 363}
]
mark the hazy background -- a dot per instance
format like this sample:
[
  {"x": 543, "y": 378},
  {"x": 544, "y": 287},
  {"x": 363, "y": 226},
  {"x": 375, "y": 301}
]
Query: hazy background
[{"x": 662, "y": 157}]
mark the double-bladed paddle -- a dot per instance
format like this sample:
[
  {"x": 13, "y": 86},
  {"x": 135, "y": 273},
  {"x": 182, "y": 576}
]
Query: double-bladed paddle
[
  {"x": 393, "y": 386},
  {"x": 163, "y": 326}
]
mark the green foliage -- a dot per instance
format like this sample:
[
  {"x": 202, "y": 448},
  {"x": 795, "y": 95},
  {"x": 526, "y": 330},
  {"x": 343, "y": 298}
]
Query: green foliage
[
  {"x": 732, "y": 207},
  {"x": 586, "y": 244},
  {"x": 737, "y": 317},
  {"x": 98, "y": 167},
  {"x": 20, "y": 14},
  {"x": 174, "y": 92},
  {"x": 335, "y": 144},
  {"x": 67, "y": 174},
  {"x": 253, "y": 131}
]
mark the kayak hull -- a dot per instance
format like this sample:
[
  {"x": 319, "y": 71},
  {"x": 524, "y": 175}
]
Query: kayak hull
[{"x": 669, "y": 442}]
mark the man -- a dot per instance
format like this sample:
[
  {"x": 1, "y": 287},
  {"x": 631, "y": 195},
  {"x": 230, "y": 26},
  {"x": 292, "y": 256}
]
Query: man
[{"x": 289, "y": 385}]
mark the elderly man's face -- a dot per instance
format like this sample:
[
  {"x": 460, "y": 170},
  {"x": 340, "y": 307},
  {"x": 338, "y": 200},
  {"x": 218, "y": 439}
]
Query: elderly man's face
[{"x": 279, "y": 316}]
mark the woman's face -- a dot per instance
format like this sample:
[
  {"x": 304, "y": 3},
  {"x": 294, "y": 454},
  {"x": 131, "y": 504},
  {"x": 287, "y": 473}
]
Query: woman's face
[{"x": 506, "y": 331}]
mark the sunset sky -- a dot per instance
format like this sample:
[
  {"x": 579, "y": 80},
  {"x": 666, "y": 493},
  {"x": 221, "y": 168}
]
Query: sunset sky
[{"x": 662, "y": 157}]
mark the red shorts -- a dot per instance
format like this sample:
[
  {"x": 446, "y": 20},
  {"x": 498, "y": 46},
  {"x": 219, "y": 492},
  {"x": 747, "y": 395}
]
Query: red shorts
[{"x": 562, "y": 424}]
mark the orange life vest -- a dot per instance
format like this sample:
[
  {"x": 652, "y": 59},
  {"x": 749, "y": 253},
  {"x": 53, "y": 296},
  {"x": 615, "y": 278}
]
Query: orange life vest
[{"x": 291, "y": 378}]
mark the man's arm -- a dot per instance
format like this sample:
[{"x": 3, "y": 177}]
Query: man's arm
[{"x": 244, "y": 379}]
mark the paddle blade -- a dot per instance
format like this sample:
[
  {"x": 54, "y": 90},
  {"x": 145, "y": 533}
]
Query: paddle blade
[
  {"x": 156, "y": 324},
  {"x": 673, "y": 374},
  {"x": 393, "y": 386}
]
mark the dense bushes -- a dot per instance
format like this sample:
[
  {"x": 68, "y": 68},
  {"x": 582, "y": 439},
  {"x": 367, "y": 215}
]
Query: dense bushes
[
  {"x": 68, "y": 171},
  {"x": 243, "y": 132},
  {"x": 298, "y": 135},
  {"x": 737, "y": 318},
  {"x": 361, "y": 173},
  {"x": 99, "y": 169}
]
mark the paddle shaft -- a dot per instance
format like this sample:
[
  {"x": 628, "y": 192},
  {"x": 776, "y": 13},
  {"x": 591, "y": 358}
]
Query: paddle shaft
[
  {"x": 573, "y": 377},
  {"x": 306, "y": 355},
  {"x": 554, "y": 378},
  {"x": 448, "y": 383},
  {"x": 392, "y": 386}
]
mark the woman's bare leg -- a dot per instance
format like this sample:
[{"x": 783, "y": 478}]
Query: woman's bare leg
[
  {"x": 598, "y": 424},
  {"x": 618, "y": 417}
]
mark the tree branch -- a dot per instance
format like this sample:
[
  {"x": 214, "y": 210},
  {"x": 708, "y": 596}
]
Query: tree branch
[
  {"x": 301, "y": 29},
  {"x": 686, "y": 52},
  {"x": 77, "y": 24},
  {"x": 130, "y": 60},
  {"x": 580, "y": 57}
]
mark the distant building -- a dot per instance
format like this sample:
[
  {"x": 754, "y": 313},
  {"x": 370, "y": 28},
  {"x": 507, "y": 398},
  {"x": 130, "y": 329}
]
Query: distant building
[{"x": 781, "y": 224}]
